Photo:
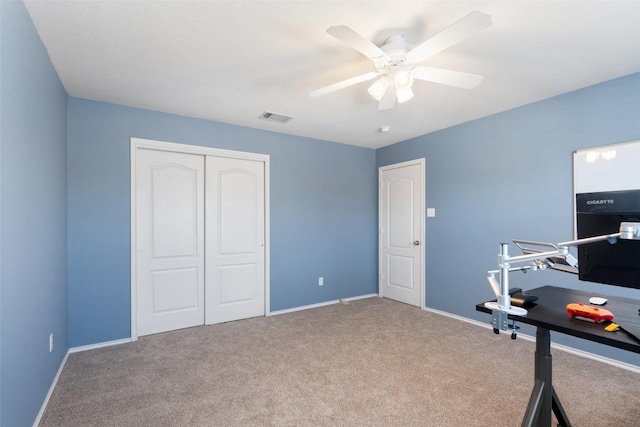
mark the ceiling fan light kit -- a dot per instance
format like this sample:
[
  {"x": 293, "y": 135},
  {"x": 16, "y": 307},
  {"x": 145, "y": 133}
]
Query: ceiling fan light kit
[
  {"x": 396, "y": 61},
  {"x": 403, "y": 95},
  {"x": 378, "y": 88}
]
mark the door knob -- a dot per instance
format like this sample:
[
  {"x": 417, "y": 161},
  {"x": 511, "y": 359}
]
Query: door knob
[{"x": 416, "y": 242}]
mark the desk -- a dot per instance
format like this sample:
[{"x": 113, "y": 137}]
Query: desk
[{"x": 549, "y": 313}]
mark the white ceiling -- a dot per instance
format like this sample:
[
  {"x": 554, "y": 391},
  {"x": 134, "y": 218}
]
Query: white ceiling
[{"x": 229, "y": 61}]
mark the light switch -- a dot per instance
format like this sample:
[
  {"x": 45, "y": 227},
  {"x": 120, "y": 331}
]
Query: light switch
[{"x": 431, "y": 212}]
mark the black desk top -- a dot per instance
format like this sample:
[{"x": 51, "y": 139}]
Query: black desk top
[{"x": 550, "y": 312}]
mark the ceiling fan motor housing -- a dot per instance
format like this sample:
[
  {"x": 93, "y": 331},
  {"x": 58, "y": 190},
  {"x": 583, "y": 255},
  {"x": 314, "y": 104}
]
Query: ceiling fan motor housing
[{"x": 395, "y": 48}]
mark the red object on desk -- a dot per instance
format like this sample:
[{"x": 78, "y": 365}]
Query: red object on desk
[{"x": 588, "y": 312}]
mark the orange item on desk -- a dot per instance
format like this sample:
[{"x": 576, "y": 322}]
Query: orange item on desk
[{"x": 588, "y": 312}]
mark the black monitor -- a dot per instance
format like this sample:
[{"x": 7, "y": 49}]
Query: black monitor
[{"x": 602, "y": 262}]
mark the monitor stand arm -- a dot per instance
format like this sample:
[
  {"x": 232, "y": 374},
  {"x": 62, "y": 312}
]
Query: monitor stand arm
[{"x": 502, "y": 308}]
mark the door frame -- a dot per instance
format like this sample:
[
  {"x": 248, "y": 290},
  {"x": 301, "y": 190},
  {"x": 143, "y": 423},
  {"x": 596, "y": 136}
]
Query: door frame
[
  {"x": 139, "y": 143},
  {"x": 381, "y": 169}
]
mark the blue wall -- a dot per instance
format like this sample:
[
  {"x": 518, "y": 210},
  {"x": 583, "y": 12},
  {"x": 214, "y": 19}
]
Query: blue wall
[
  {"x": 510, "y": 176},
  {"x": 65, "y": 206},
  {"x": 33, "y": 279},
  {"x": 323, "y": 212}
]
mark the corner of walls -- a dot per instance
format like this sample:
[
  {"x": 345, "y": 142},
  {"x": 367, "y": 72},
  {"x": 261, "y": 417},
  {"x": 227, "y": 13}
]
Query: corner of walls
[
  {"x": 510, "y": 176},
  {"x": 323, "y": 212},
  {"x": 33, "y": 278}
]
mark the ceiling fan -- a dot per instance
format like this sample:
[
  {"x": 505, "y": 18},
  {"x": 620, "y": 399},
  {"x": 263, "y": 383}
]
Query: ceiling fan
[{"x": 396, "y": 61}]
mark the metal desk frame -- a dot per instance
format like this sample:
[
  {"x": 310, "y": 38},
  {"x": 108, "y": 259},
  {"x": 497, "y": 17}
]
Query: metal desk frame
[{"x": 549, "y": 314}]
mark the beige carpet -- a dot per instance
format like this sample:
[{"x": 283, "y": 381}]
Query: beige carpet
[{"x": 373, "y": 362}]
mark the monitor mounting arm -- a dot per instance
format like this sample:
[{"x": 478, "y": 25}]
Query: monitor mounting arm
[{"x": 501, "y": 308}]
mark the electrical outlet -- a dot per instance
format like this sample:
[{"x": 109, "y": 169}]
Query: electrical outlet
[
  {"x": 51, "y": 342},
  {"x": 320, "y": 281}
]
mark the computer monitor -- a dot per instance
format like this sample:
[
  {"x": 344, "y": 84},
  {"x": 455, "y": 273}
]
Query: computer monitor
[{"x": 602, "y": 262}]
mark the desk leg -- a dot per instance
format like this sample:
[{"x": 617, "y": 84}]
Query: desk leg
[
  {"x": 533, "y": 408},
  {"x": 543, "y": 398},
  {"x": 561, "y": 416}
]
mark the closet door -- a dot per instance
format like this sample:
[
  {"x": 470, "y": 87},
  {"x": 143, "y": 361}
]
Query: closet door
[
  {"x": 235, "y": 237},
  {"x": 170, "y": 240}
]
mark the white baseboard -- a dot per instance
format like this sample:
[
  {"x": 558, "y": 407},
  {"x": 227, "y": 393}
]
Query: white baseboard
[
  {"x": 587, "y": 355},
  {"x": 581, "y": 353},
  {"x": 99, "y": 345},
  {"x": 273, "y": 313},
  {"x": 455, "y": 316},
  {"x": 320, "y": 304},
  {"x": 53, "y": 386},
  {"x": 567, "y": 349},
  {"x": 64, "y": 361},
  {"x": 358, "y": 297}
]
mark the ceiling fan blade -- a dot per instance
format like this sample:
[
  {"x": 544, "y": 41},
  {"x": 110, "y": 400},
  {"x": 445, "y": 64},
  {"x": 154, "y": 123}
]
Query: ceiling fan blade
[
  {"x": 388, "y": 100},
  {"x": 343, "y": 84},
  {"x": 454, "y": 33},
  {"x": 356, "y": 41},
  {"x": 447, "y": 77}
]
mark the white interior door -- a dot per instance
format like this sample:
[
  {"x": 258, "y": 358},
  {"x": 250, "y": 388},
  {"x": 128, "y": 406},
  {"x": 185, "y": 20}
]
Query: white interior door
[
  {"x": 401, "y": 254},
  {"x": 170, "y": 240},
  {"x": 235, "y": 239}
]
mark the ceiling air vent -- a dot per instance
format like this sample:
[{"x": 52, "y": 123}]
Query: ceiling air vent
[{"x": 275, "y": 117}]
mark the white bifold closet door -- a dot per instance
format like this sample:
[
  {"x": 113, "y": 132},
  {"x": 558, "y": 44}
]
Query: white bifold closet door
[
  {"x": 200, "y": 227},
  {"x": 234, "y": 239},
  {"x": 170, "y": 238}
]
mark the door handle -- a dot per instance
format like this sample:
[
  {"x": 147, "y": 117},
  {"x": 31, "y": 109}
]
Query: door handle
[{"x": 416, "y": 242}]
